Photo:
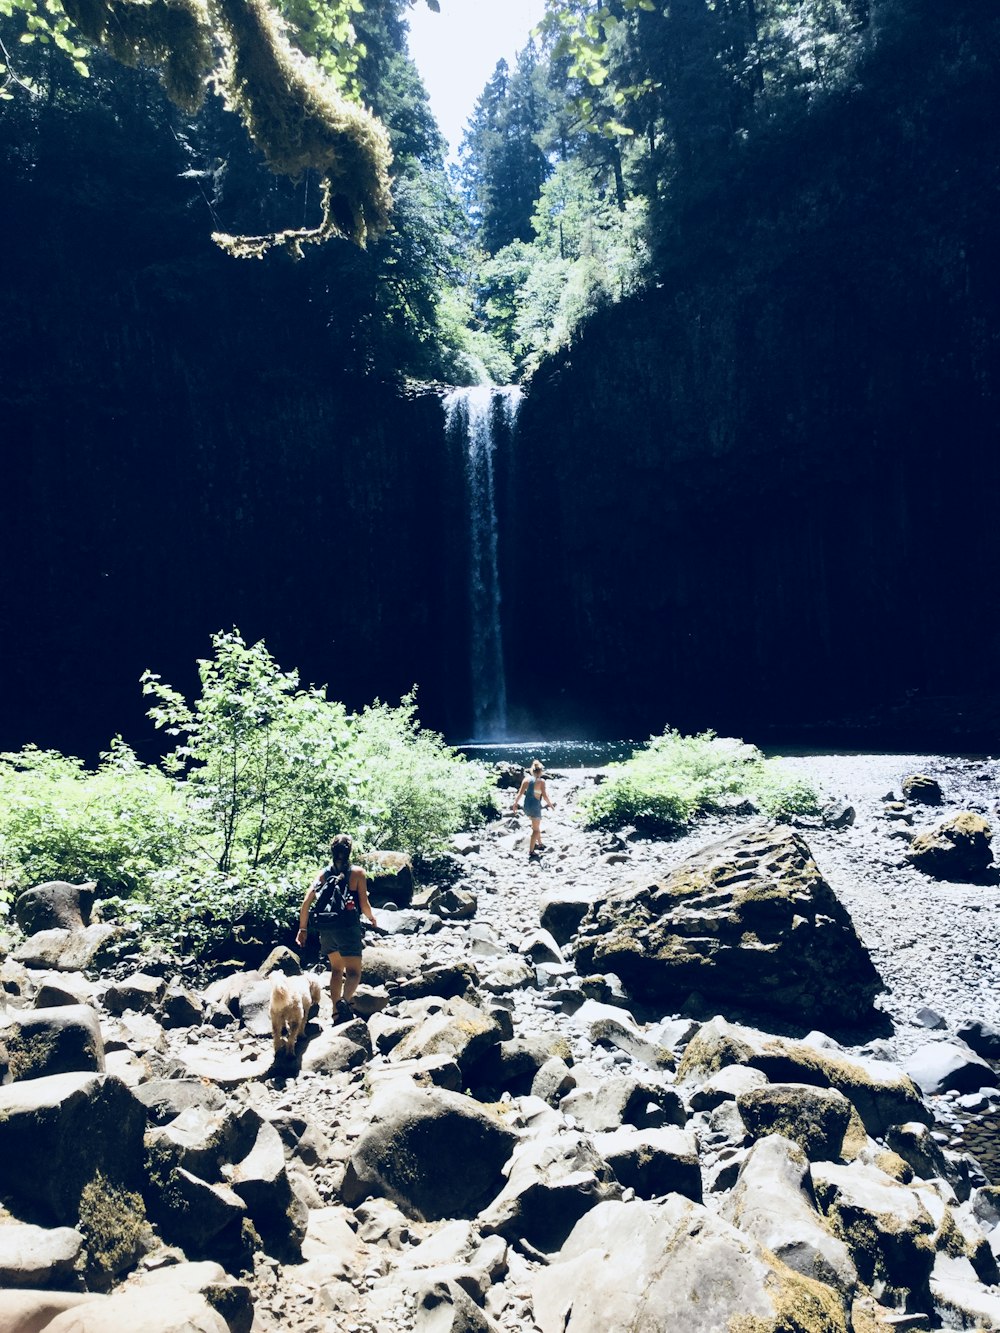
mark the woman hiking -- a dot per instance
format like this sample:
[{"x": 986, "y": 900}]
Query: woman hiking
[{"x": 534, "y": 792}]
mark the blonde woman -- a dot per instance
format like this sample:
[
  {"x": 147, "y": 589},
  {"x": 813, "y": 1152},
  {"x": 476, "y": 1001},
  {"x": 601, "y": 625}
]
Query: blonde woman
[{"x": 534, "y": 792}]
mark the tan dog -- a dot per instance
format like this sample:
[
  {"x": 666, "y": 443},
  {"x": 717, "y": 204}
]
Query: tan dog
[{"x": 293, "y": 999}]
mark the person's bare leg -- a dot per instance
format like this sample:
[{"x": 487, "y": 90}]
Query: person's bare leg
[
  {"x": 536, "y": 836},
  {"x": 352, "y": 976},
  {"x": 337, "y": 969}
]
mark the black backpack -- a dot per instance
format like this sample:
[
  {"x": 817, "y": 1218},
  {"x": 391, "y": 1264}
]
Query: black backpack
[{"x": 334, "y": 901}]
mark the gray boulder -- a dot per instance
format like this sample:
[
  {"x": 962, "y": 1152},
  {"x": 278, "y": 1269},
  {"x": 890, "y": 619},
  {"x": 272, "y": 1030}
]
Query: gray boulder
[
  {"x": 63, "y": 1040},
  {"x": 39, "y": 1257},
  {"x": 886, "y": 1227},
  {"x": 610, "y": 1025},
  {"x": 725, "y": 1086},
  {"x": 56, "y": 989},
  {"x": 69, "y": 950},
  {"x": 55, "y": 905},
  {"x": 749, "y": 920},
  {"x": 946, "y": 1066},
  {"x": 882, "y": 1093},
  {"x": 957, "y": 849},
  {"x": 452, "y": 904},
  {"x": 180, "y": 1007},
  {"x": 773, "y": 1202},
  {"x": 511, "y": 1066},
  {"x": 140, "y": 992},
  {"x": 983, "y": 1037},
  {"x": 442, "y": 1306},
  {"x": 141, "y": 1310},
  {"x": 653, "y": 1161},
  {"x": 553, "y": 1081},
  {"x": 192, "y": 1212},
  {"x": 551, "y": 1183},
  {"x": 434, "y": 1153},
  {"x": 58, "y": 1132},
  {"x": 165, "y": 1098},
  {"x": 262, "y": 1182},
  {"x": 390, "y": 879},
  {"x": 623, "y": 1100},
  {"x": 687, "y": 1271},
  {"x": 563, "y": 910},
  {"x": 459, "y": 1030}
]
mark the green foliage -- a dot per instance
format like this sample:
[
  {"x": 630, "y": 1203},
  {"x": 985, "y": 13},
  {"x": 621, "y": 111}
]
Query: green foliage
[
  {"x": 261, "y": 755},
  {"x": 675, "y": 778},
  {"x": 187, "y": 912},
  {"x": 59, "y": 820},
  {"x": 219, "y": 848},
  {"x": 411, "y": 790}
]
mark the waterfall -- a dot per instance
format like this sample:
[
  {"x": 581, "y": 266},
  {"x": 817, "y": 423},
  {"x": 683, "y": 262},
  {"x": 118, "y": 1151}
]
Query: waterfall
[{"x": 471, "y": 415}]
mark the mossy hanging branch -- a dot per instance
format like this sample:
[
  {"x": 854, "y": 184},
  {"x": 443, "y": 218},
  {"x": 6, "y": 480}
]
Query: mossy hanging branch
[
  {"x": 298, "y": 120},
  {"x": 290, "y": 108},
  {"x": 174, "y": 36}
]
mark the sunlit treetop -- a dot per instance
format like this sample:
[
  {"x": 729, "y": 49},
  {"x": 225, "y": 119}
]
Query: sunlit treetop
[{"x": 300, "y": 104}]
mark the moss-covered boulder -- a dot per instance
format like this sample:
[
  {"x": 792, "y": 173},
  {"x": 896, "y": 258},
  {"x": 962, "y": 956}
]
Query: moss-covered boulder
[
  {"x": 884, "y": 1224},
  {"x": 814, "y": 1118},
  {"x": 773, "y": 1201},
  {"x": 957, "y": 849},
  {"x": 882, "y": 1093},
  {"x": 748, "y": 921},
  {"x": 58, "y": 1133},
  {"x": 63, "y": 1040},
  {"x": 435, "y": 1154}
]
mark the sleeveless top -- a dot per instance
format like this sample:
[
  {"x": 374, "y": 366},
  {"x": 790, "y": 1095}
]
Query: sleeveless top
[{"x": 532, "y": 802}]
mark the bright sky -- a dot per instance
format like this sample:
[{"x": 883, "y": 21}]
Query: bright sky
[{"x": 457, "y": 50}]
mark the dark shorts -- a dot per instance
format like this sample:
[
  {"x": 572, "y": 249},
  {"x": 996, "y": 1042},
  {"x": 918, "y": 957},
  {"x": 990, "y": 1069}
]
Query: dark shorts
[
  {"x": 532, "y": 807},
  {"x": 345, "y": 940}
]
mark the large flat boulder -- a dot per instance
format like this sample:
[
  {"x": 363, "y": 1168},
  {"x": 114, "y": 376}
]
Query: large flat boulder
[
  {"x": 675, "y": 1267},
  {"x": 62, "y": 950},
  {"x": 58, "y": 1132},
  {"x": 749, "y": 921}
]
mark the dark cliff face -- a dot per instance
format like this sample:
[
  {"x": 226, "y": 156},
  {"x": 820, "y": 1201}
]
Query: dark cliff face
[{"x": 766, "y": 493}]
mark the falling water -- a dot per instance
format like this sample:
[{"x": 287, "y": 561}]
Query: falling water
[{"x": 470, "y": 412}]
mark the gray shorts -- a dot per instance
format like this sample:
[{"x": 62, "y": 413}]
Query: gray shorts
[{"x": 345, "y": 940}]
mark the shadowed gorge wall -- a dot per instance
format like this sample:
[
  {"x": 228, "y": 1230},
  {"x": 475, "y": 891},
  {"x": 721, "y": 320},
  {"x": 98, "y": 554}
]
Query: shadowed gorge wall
[{"x": 765, "y": 493}]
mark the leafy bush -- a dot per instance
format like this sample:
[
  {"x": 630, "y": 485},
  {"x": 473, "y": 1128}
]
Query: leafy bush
[
  {"x": 59, "y": 820},
  {"x": 223, "y": 844},
  {"x": 409, "y": 789},
  {"x": 675, "y": 778},
  {"x": 184, "y": 913}
]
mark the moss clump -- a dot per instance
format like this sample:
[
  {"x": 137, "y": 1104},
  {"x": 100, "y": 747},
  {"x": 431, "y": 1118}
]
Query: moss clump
[
  {"x": 29, "y": 1054},
  {"x": 112, "y": 1222},
  {"x": 801, "y": 1305}
]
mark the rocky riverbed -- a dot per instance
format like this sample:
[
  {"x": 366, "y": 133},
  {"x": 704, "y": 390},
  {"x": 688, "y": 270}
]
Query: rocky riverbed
[{"x": 588, "y": 1100}]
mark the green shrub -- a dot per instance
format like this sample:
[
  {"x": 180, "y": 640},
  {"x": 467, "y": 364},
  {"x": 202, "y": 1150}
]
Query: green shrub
[
  {"x": 59, "y": 820},
  {"x": 225, "y": 842},
  {"x": 183, "y": 913},
  {"x": 673, "y": 779}
]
